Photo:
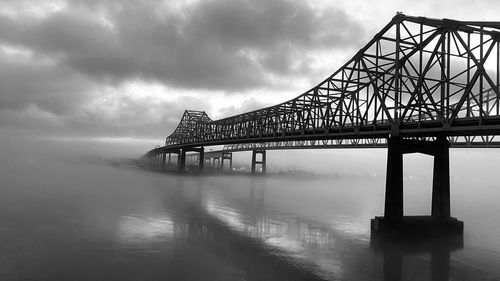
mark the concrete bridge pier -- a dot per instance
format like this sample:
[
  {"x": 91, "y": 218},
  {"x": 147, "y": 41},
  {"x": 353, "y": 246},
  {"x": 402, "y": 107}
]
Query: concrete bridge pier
[
  {"x": 163, "y": 160},
  {"x": 394, "y": 181},
  {"x": 441, "y": 180},
  {"x": 181, "y": 164},
  {"x": 201, "y": 159},
  {"x": 215, "y": 164},
  {"x": 208, "y": 162},
  {"x": 157, "y": 160},
  {"x": 178, "y": 153},
  {"x": 261, "y": 162},
  {"x": 440, "y": 219},
  {"x": 227, "y": 156},
  {"x": 182, "y": 159}
]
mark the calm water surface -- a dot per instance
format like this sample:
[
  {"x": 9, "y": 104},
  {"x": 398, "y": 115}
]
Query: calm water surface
[{"x": 71, "y": 221}]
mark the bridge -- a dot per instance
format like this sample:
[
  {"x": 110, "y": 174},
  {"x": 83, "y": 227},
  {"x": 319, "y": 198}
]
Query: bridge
[{"x": 420, "y": 85}]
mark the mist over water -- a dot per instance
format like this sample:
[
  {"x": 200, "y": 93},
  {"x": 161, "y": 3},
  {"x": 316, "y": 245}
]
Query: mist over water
[{"x": 67, "y": 219}]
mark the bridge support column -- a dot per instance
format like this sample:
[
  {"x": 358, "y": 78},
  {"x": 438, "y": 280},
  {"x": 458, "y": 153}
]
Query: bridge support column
[
  {"x": 254, "y": 158},
  {"x": 440, "y": 219},
  {"x": 394, "y": 181},
  {"x": 178, "y": 162},
  {"x": 227, "y": 156},
  {"x": 182, "y": 161},
  {"x": 220, "y": 163},
  {"x": 441, "y": 180},
  {"x": 192, "y": 158},
  {"x": 262, "y": 162},
  {"x": 201, "y": 159},
  {"x": 163, "y": 160}
]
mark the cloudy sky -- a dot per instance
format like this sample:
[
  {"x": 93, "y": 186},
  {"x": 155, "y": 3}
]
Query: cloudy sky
[{"x": 125, "y": 70}]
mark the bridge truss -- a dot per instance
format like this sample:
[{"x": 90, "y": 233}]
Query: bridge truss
[{"x": 418, "y": 77}]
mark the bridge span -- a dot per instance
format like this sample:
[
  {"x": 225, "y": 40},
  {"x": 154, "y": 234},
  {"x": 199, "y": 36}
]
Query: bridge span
[{"x": 420, "y": 85}]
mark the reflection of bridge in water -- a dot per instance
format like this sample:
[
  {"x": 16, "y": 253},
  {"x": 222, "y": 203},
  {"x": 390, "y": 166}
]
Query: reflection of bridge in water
[
  {"x": 269, "y": 245},
  {"x": 420, "y": 85}
]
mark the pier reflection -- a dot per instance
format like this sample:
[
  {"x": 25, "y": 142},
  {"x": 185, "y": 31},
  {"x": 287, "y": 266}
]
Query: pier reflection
[
  {"x": 249, "y": 239},
  {"x": 416, "y": 258}
]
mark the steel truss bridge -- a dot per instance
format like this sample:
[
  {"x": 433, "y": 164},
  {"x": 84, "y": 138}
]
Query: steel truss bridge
[{"x": 420, "y": 85}]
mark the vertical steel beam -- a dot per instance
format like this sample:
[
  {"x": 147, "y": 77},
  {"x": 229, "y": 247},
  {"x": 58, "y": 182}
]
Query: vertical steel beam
[
  {"x": 419, "y": 85},
  {"x": 481, "y": 76},
  {"x": 397, "y": 76},
  {"x": 498, "y": 77},
  {"x": 448, "y": 73},
  {"x": 443, "y": 78},
  {"x": 469, "y": 110}
]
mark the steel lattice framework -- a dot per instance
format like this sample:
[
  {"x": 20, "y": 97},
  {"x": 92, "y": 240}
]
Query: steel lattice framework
[{"x": 417, "y": 78}]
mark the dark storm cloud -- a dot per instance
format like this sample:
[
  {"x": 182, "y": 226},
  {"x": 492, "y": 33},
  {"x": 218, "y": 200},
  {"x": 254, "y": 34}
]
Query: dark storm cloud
[
  {"x": 267, "y": 24},
  {"x": 70, "y": 57},
  {"x": 223, "y": 45}
]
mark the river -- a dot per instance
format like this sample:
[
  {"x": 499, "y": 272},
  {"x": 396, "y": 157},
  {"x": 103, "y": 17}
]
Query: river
[{"x": 71, "y": 220}]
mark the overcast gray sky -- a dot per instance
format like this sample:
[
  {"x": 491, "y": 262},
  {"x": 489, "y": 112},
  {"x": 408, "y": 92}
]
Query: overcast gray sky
[{"x": 125, "y": 70}]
